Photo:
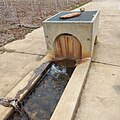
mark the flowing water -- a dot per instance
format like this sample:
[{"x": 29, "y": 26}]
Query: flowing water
[{"x": 41, "y": 102}]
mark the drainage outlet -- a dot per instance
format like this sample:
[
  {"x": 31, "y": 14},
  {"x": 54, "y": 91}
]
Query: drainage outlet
[{"x": 71, "y": 38}]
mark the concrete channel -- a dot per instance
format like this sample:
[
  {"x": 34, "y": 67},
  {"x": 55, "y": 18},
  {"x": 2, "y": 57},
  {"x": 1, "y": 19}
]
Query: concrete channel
[
  {"x": 70, "y": 96},
  {"x": 81, "y": 48},
  {"x": 73, "y": 90}
]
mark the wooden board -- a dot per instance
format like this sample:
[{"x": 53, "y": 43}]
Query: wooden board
[{"x": 68, "y": 47}]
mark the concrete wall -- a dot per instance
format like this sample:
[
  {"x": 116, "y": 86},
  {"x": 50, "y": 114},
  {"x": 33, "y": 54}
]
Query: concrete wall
[{"x": 83, "y": 32}]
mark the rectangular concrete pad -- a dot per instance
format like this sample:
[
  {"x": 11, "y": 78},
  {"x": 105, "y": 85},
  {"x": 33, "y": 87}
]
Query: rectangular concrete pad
[
  {"x": 101, "y": 96},
  {"x": 107, "y": 53}
]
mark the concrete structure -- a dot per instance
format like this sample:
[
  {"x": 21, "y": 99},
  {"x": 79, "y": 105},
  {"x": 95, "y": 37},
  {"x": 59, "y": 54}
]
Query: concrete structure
[{"x": 84, "y": 29}]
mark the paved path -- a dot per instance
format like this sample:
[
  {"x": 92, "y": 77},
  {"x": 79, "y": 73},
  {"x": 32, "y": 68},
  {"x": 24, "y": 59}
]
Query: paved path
[
  {"x": 101, "y": 95},
  {"x": 20, "y": 58}
]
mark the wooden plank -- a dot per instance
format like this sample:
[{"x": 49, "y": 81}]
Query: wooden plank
[
  {"x": 63, "y": 43},
  {"x": 68, "y": 47}
]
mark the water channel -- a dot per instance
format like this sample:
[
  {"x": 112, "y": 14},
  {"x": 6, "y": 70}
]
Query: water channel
[{"x": 42, "y": 100}]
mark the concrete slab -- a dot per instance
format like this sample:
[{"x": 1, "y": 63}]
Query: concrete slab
[
  {"x": 13, "y": 68},
  {"x": 25, "y": 85},
  {"x": 20, "y": 58},
  {"x": 100, "y": 99},
  {"x": 109, "y": 30},
  {"x": 107, "y": 48},
  {"x": 34, "y": 43},
  {"x": 107, "y": 53}
]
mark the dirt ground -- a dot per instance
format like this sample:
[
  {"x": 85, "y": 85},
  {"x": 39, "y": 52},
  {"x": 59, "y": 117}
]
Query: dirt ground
[{"x": 19, "y": 17}]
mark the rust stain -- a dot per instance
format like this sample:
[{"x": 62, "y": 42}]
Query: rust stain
[
  {"x": 86, "y": 55},
  {"x": 85, "y": 60}
]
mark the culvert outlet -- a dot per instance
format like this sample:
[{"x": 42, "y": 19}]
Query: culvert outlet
[{"x": 71, "y": 38}]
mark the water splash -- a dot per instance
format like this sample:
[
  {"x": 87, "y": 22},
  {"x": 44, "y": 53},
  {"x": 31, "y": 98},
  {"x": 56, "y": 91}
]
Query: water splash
[{"x": 56, "y": 70}]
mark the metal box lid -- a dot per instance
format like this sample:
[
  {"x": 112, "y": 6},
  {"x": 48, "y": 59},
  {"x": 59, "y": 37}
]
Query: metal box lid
[{"x": 86, "y": 16}]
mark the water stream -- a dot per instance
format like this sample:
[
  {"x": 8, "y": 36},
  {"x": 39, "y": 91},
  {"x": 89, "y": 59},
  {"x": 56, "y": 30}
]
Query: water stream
[{"x": 42, "y": 100}]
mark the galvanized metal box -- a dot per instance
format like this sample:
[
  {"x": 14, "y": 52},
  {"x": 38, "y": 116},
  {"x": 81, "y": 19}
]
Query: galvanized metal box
[{"x": 82, "y": 28}]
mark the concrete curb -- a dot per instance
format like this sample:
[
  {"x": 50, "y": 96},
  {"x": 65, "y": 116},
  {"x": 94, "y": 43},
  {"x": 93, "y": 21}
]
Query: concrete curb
[
  {"x": 23, "y": 87},
  {"x": 69, "y": 101}
]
